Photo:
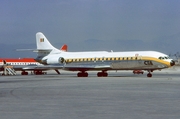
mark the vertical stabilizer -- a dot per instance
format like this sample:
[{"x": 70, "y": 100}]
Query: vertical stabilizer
[
  {"x": 42, "y": 42},
  {"x": 44, "y": 46},
  {"x": 64, "y": 48}
]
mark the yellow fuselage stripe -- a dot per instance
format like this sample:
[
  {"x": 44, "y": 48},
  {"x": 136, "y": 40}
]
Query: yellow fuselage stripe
[{"x": 75, "y": 60}]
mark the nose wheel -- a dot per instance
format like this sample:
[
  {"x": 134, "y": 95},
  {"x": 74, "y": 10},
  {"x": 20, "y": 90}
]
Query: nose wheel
[{"x": 149, "y": 75}]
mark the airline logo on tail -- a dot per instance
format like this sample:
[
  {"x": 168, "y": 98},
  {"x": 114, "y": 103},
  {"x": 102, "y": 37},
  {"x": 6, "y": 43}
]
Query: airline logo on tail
[
  {"x": 64, "y": 48},
  {"x": 41, "y": 39}
]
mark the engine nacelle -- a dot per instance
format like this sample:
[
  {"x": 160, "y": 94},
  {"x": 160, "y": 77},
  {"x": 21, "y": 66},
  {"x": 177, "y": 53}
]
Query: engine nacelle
[{"x": 54, "y": 60}]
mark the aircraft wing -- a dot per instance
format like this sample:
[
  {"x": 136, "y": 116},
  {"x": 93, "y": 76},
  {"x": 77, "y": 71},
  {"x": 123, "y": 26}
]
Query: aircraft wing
[
  {"x": 68, "y": 67},
  {"x": 43, "y": 67}
]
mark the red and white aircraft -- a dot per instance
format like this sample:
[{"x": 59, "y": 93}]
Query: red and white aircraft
[{"x": 27, "y": 64}]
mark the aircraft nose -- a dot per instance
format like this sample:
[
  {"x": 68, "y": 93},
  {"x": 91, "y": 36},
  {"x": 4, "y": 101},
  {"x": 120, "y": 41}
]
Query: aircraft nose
[{"x": 172, "y": 63}]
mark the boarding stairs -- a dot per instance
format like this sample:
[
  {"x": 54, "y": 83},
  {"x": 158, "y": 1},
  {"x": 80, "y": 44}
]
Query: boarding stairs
[{"x": 9, "y": 70}]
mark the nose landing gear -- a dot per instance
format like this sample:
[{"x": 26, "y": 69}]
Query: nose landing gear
[{"x": 149, "y": 74}]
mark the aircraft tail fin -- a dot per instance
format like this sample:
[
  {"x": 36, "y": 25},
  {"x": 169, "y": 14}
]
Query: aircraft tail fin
[
  {"x": 64, "y": 48},
  {"x": 44, "y": 46}
]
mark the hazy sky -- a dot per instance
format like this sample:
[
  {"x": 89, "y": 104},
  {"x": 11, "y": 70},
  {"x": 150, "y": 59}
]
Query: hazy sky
[{"x": 105, "y": 24}]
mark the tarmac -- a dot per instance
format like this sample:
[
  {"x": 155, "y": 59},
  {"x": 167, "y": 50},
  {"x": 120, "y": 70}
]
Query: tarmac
[{"x": 122, "y": 95}]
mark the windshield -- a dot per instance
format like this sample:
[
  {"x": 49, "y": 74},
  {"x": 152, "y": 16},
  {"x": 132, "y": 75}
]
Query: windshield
[{"x": 162, "y": 58}]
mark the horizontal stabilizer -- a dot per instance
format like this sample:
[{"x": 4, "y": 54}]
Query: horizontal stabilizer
[
  {"x": 25, "y": 49},
  {"x": 35, "y": 50}
]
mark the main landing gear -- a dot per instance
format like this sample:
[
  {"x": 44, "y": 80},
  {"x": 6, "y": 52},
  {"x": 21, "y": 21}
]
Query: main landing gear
[
  {"x": 85, "y": 74},
  {"x": 102, "y": 74},
  {"x": 38, "y": 72},
  {"x": 82, "y": 74},
  {"x": 24, "y": 73}
]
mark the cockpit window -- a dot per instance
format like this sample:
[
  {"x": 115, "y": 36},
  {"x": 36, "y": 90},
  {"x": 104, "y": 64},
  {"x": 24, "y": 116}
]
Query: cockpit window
[
  {"x": 165, "y": 57},
  {"x": 160, "y": 58}
]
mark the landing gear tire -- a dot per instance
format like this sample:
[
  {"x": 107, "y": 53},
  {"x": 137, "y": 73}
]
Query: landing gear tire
[
  {"x": 24, "y": 73},
  {"x": 38, "y": 72},
  {"x": 102, "y": 74},
  {"x": 149, "y": 75},
  {"x": 82, "y": 74}
]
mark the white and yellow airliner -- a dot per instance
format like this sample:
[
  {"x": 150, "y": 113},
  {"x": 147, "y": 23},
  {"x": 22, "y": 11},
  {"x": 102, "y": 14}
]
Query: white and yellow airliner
[{"x": 99, "y": 60}]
